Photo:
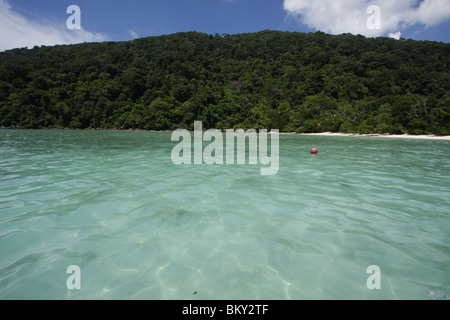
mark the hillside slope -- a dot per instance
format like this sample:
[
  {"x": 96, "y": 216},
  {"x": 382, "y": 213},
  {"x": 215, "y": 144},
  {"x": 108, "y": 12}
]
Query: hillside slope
[{"x": 270, "y": 79}]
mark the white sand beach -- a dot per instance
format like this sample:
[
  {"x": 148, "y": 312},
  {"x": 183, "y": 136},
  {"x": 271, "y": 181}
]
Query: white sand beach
[{"x": 391, "y": 136}]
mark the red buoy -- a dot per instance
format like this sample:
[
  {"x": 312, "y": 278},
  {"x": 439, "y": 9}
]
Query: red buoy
[{"x": 314, "y": 150}]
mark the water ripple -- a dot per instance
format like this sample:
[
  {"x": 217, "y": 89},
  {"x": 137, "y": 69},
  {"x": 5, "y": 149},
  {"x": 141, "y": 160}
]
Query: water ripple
[{"x": 139, "y": 226}]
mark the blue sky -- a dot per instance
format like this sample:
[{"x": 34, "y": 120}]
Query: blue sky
[{"x": 28, "y": 23}]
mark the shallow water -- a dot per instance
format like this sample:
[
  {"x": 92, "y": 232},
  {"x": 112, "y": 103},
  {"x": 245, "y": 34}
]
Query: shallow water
[{"x": 140, "y": 227}]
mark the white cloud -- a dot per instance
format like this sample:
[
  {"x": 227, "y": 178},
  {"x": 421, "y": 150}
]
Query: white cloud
[
  {"x": 433, "y": 12},
  {"x": 351, "y": 16},
  {"x": 133, "y": 34},
  {"x": 395, "y": 35},
  {"x": 16, "y": 31}
]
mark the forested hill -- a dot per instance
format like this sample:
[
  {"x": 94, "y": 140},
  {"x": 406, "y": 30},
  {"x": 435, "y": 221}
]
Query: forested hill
[{"x": 275, "y": 80}]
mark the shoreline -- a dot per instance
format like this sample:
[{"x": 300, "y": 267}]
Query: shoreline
[
  {"x": 377, "y": 135},
  {"x": 323, "y": 134}
]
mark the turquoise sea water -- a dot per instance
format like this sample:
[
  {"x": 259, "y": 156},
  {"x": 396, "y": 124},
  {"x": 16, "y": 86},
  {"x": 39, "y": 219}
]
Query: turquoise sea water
[{"x": 140, "y": 227}]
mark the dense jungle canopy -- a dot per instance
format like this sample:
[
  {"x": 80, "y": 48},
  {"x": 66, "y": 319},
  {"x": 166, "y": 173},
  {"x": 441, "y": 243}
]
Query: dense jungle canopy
[{"x": 273, "y": 80}]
